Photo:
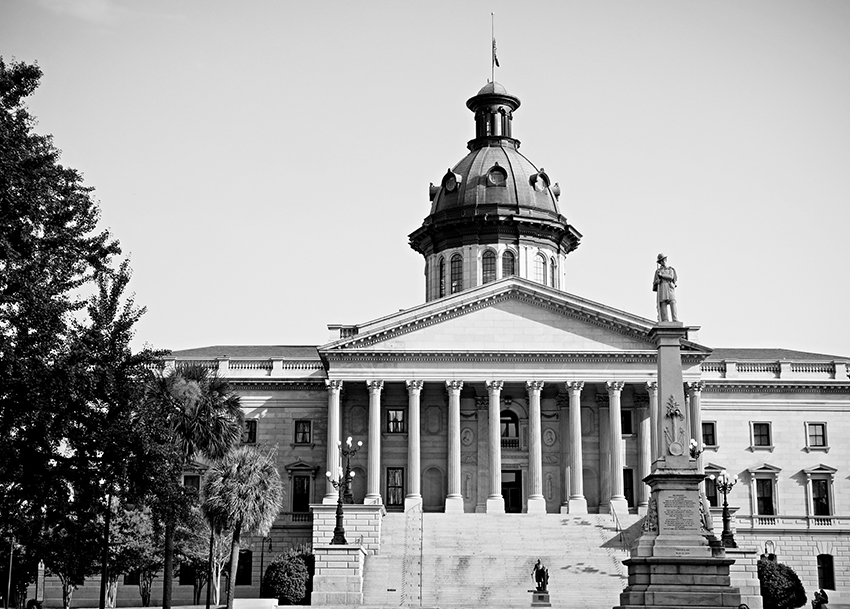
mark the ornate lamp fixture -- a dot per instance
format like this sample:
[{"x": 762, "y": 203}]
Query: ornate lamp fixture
[
  {"x": 724, "y": 484},
  {"x": 694, "y": 449},
  {"x": 342, "y": 484}
]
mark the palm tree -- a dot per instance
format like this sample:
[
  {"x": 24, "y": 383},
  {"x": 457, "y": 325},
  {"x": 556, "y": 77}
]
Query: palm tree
[
  {"x": 204, "y": 419},
  {"x": 244, "y": 492}
]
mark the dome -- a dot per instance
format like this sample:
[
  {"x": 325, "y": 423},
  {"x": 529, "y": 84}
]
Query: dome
[{"x": 491, "y": 88}]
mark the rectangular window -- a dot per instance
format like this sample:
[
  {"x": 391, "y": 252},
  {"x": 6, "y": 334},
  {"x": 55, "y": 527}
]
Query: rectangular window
[
  {"x": 244, "y": 570},
  {"x": 395, "y": 486},
  {"x": 709, "y": 433},
  {"x": 764, "y": 496},
  {"x": 249, "y": 433},
  {"x": 301, "y": 494},
  {"x": 192, "y": 481},
  {"x": 629, "y": 486},
  {"x": 761, "y": 434},
  {"x": 627, "y": 423},
  {"x": 395, "y": 421},
  {"x": 711, "y": 492},
  {"x": 187, "y": 575},
  {"x": 303, "y": 432},
  {"x": 826, "y": 572},
  {"x": 820, "y": 496},
  {"x": 132, "y": 578},
  {"x": 816, "y": 435}
]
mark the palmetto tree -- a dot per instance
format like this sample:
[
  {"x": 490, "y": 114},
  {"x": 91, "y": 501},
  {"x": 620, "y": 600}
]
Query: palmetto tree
[
  {"x": 204, "y": 419},
  {"x": 244, "y": 492}
]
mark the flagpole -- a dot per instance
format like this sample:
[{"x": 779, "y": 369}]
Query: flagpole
[{"x": 492, "y": 49}]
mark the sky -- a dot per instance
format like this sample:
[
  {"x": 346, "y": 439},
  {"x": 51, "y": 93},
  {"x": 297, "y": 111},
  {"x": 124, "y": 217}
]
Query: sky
[{"x": 262, "y": 163}]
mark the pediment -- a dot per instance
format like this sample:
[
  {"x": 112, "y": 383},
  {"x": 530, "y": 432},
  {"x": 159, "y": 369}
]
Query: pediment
[{"x": 510, "y": 316}]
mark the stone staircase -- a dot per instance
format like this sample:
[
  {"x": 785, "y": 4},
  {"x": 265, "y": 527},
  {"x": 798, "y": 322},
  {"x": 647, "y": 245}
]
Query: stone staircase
[{"x": 485, "y": 560}]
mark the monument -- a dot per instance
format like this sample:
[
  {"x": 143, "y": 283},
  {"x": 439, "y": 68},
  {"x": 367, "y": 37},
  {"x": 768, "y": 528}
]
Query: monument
[
  {"x": 540, "y": 576},
  {"x": 677, "y": 561}
]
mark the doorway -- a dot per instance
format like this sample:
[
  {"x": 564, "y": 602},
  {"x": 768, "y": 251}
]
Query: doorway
[{"x": 512, "y": 490}]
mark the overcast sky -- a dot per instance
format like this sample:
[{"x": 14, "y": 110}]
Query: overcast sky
[{"x": 262, "y": 163}]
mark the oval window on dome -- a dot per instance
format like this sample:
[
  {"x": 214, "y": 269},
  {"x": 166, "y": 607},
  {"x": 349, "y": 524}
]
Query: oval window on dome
[
  {"x": 451, "y": 180},
  {"x": 539, "y": 181},
  {"x": 497, "y": 176}
]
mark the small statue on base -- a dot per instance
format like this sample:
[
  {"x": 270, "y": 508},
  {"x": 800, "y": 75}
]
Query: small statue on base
[
  {"x": 821, "y": 599},
  {"x": 664, "y": 284},
  {"x": 540, "y": 574}
]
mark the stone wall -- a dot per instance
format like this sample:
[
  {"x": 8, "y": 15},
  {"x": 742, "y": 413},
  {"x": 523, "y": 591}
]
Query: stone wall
[{"x": 362, "y": 525}]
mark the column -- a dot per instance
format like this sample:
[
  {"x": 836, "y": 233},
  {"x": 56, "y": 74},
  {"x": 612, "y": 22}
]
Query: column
[
  {"x": 454, "y": 498},
  {"x": 604, "y": 453},
  {"x": 615, "y": 430},
  {"x": 652, "y": 390},
  {"x": 644, "y": 449},
  {"x": 334, "y": 389},
  {"x": 536, "y": 501},
  {"x": 578, "y": 502},
  {"x": 373, "y": 477},
  {"x": 413, "y": 500},
  {"x": 495, "y": 501},
  {"x": 694, "y": 394}
]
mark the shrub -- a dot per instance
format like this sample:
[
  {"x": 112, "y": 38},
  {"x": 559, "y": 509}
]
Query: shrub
[
  {"x": 288, "y": 577},
  {"x": 780, "y": 586}
]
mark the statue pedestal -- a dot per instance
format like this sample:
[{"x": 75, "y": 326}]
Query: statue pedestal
[{"x": 540, "y": 598}]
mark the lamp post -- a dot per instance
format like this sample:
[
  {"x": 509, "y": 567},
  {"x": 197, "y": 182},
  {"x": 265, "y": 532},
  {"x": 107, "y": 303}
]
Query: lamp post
[
  {"x": 262, "y": 558},
  {"x": 343, "y": 485},
  {"x": 724, "y": 484}
]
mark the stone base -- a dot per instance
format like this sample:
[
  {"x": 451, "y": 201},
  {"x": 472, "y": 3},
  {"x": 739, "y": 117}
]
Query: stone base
[
  {"x": 536, "y": 505},
  {"x": 577, "y": 505},
  {"x": 413, "y": 504},
  {"x": 540, "y": 599},
  {"x": 679, "y": 582},
  {"x": 338, "y": 579},
  {"x": 619, "y": 505},
  {"x": 744, "y": 575},
  {"x": 495, "y": 505},
  {"x": 454, "y": 505}
]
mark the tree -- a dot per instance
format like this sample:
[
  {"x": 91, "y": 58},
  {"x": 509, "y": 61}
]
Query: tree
[
  {"x": 244, "y": 491},
  {"x": 192, "y": 550},
  {"x": 133, "y": 548},
  {"x": 198, "y": 414},
  {"x": 781, "y": 588},
  {"x": 287, "y": 577},
  {"x": 69, "y": 382}
]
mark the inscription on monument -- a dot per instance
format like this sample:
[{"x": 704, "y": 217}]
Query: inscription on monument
[{"x": 679, "y": 511}]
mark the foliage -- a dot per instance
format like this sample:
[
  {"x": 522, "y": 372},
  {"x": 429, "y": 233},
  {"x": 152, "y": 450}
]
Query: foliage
[
  {"x": 70, "y": 386},
  {"x": 288, "y": 576},
  {"x": 243, "y": 492},
  {"x": 134, "y": 548},
  {"x": 780, "y": 586},
  {"x": 192, "y": 550},
  {"x": 192, "y": 412}
]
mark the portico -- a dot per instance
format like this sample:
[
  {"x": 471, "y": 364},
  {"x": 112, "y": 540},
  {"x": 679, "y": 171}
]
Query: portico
[{"x": 481, "y": 430}]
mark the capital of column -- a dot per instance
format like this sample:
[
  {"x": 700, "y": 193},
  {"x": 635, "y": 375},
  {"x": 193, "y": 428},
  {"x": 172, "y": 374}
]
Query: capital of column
[
  {"x": 575, "y": 385},
  {"x": 615, "y": 387},
  {"x": 652, "y": 388},
  {"x": 414, "y": 386},
  {"x": 454, "y": 385},
  {"x": 333, "y": 385},
  {"x": 534, "y": 386},
  {"x": 494, "y": 385},
  {"x": 375, "y": 386},
  {"x": 695, "y": 387}
]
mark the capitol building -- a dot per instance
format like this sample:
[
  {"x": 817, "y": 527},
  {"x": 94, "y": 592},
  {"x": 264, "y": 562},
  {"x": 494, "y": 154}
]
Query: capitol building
[{"x": 502, "y": 393}]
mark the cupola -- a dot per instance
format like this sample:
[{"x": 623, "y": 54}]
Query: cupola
[{"x": 495, "y": 213}]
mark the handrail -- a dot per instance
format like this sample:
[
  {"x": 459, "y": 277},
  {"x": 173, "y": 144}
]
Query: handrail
[{"x": 618, "y": 527}]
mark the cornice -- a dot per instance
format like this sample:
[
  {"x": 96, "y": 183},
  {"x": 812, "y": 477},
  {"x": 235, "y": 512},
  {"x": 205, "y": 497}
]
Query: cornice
[
  {"x": 774, "y": 387},
  {"x": 312, "y": 385},
  {"x": 628, "y": 357}
]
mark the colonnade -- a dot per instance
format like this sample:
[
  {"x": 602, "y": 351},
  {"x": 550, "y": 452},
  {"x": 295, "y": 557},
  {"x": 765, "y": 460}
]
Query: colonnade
[{"x": 648, "y": 444}]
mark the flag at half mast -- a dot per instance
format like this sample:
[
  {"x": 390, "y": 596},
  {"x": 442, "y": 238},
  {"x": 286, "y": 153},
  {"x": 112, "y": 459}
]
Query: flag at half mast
[{"x": 495, "y": 58}]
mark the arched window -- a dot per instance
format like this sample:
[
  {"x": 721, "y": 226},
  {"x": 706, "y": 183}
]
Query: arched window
[
  {"x": 552, "y": 273},
  {"x": 457, "y": 273},
  {"x": 510, "y": 429},
  {"x": 540, "y": 269},
  {"x": 442, "y": 277},
  {"x": 826, "y": 573},
  {"x": 508, "y": 263},
  {"x": 488, "y": 266}
]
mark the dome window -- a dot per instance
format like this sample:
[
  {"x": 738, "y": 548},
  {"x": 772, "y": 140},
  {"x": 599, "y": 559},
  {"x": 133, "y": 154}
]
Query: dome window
[
  {"x": 497, "y": 176},
  {"x": 442, "y": 277},
  {"x": 540, "y": 269},
  {"x": 508, "y": 263},
  {"x": 539, "y": 181},
  {"x": 488, "y": 266},
  {"x": 451, "y": 180},
  {"x": 457, "y": 273}
]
